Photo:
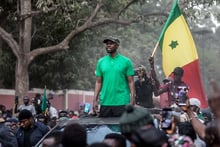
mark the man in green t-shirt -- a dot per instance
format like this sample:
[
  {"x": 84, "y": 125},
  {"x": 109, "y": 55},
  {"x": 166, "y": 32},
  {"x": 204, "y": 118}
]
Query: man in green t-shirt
[{"x": 114, "y": 87}]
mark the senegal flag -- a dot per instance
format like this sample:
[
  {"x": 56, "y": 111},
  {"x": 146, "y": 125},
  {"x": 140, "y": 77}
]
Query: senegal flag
[{"x": 178, "y": 49}]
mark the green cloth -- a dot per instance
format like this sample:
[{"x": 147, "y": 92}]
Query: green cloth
[
  {"x": 44, "y": 101},
  {"x": 114, "y": 72}
]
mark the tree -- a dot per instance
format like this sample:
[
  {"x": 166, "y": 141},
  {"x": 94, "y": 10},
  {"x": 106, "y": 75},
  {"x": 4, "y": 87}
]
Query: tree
[{"x": 21, "y": 46}]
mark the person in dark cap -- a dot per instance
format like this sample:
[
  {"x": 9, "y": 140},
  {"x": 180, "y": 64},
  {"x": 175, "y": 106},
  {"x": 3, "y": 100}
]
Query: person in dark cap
[
  {"x": 7, "y": 138},
  {"x": 114, "y": 87},
  {"x": 29, "y": 132},
  {"x": 173, "y": 87},
  {"x": 133, "y": 118},
  {"x": 12, "y": 124}
]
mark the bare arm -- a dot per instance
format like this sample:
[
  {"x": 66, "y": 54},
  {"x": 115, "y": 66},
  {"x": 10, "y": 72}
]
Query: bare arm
[
  {"x": 159, "y": 91},
  {"x": 131, "y": 87},
  {"x": 197, "y": 125},
  {"x": 98, "y": 86}
]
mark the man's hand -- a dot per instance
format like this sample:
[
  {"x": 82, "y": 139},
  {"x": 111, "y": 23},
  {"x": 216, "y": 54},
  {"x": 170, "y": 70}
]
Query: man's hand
[
  {"x": 95, "y": 106},
  {"x": 151, "y": 61},
  {"x": 186, "y": 107},
  {"x": 214, "y": 98},
  {"x": 132, "y": 102}
]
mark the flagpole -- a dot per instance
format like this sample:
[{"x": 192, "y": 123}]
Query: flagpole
[{"x": 155, "y": 48}]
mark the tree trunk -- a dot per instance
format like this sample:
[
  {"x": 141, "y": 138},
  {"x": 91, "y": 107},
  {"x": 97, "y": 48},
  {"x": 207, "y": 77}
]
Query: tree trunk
[
  {"x": 22, "y": 78},
  {"x": 22, "y": 63}
]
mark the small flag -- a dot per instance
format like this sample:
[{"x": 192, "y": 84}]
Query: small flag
[
  {"x": 44, "y": 101},
  {"x": 178, "y": 50}
]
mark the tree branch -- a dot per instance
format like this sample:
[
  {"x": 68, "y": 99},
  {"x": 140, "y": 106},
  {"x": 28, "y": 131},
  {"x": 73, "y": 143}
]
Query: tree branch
[
  {"x": 156, "y": 14},
  {"x": 94, "y": 13},
  {"x": 64, "y": 45},
  {"x": 34, "y": 13},
  {"x": 126, "y": 7},
  {"x": 10, "y": 41}
]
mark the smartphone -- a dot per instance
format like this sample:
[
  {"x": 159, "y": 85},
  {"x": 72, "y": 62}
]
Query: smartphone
[
  {"x": 16, "y": 99},
  {"x": 182, "y": 95},
  {"x": 166, "y": 118},
  {"x": 182, "y": 99}
]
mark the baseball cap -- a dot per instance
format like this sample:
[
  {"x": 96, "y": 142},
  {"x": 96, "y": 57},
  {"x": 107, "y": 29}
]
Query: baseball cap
[
  {"x": 111, "y": 38},
  {"x": 24, "y": 114},
  {"x": 195, "y": 102},
  {"x": 133, "y": 118}
]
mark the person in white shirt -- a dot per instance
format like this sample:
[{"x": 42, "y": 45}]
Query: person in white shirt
[{"x": 27, "y": 106}]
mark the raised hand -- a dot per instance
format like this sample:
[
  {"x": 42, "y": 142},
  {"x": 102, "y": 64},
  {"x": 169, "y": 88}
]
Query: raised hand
[
  {"x": 151, "y": 61},
  {"x": 214, "y": 99}
]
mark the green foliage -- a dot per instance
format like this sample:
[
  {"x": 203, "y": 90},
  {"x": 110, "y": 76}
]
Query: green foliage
[
  {"x": 7, "y": 68},
  {"x": 74, "y": 68}
]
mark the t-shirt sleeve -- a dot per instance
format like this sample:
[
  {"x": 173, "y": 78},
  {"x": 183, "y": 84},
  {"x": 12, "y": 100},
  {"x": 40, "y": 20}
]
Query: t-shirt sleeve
[
  {"x": 98, "y": 72},
  {"x": 130, "y": 69}
]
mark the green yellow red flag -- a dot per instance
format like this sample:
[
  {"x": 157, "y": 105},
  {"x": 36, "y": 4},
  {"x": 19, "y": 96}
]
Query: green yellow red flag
[{"x": 179, "y": 50}]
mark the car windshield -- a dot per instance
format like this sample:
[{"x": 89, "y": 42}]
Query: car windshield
[{"x": 96, "y": 128}]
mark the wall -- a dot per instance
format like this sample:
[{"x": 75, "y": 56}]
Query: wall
[{"x": 68, "y": 99}]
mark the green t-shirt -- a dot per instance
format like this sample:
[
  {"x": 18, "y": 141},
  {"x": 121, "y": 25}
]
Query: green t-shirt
[{"x": 114, "y": 72}]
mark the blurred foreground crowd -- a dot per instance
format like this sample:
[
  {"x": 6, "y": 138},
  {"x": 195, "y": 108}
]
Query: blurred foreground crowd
[{"x": 181, "y": 126}]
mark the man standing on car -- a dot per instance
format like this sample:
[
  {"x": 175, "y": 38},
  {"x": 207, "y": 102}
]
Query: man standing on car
[{"x": 114, "y": 87}]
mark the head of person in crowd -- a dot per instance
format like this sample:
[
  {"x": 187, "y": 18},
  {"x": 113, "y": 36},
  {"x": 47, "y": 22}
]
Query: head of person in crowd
[
  {"x": 2, "y": 120},
  {"x": 52, "y": 122},
  {"x": 63, "y": 113},
  {"x": 178, "y": 74},
  {"x": 50, "y": 95},
  {"x": 7, "y": 138},
  {"x": 74, "y": 135},
  {"x": 12, "y": 124},
  {"x": 195, "y": 104},
  {"x": 33, "y": 101},
  {"x": 177, "y": 140},
  {"x": 212, "y": 135},
  {"x": 207, "y": 115},
  {"x": 141, "y": 71},
  {"x": 167, "y": 80},
  {"x": 115, "y": 140},
  {"x": 41, "y": 118},
  {"x": 53, "y": 139},
  {"x": 26, "y": 119},
  {"x": 2, "y": 108},
  {"x": 99, "y": 144},
  {"x": 26, "y": 100},
  {"x": 186, "y": 128},
  {"x": 150, "y": 136},
  {"x": 134, "y": 118}
]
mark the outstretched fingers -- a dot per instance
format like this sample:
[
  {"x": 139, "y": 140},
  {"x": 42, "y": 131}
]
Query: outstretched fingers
[{"x": 214, "y": 86}]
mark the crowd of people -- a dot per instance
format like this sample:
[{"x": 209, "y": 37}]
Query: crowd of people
[{"x": 180, "y": 122}]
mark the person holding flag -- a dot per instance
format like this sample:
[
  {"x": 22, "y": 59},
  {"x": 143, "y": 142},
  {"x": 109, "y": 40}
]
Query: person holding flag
[
  {"x": 178, "y": 50},
  {"x": 48, "y": 111},
  {"x": 173, "y": 87}
]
